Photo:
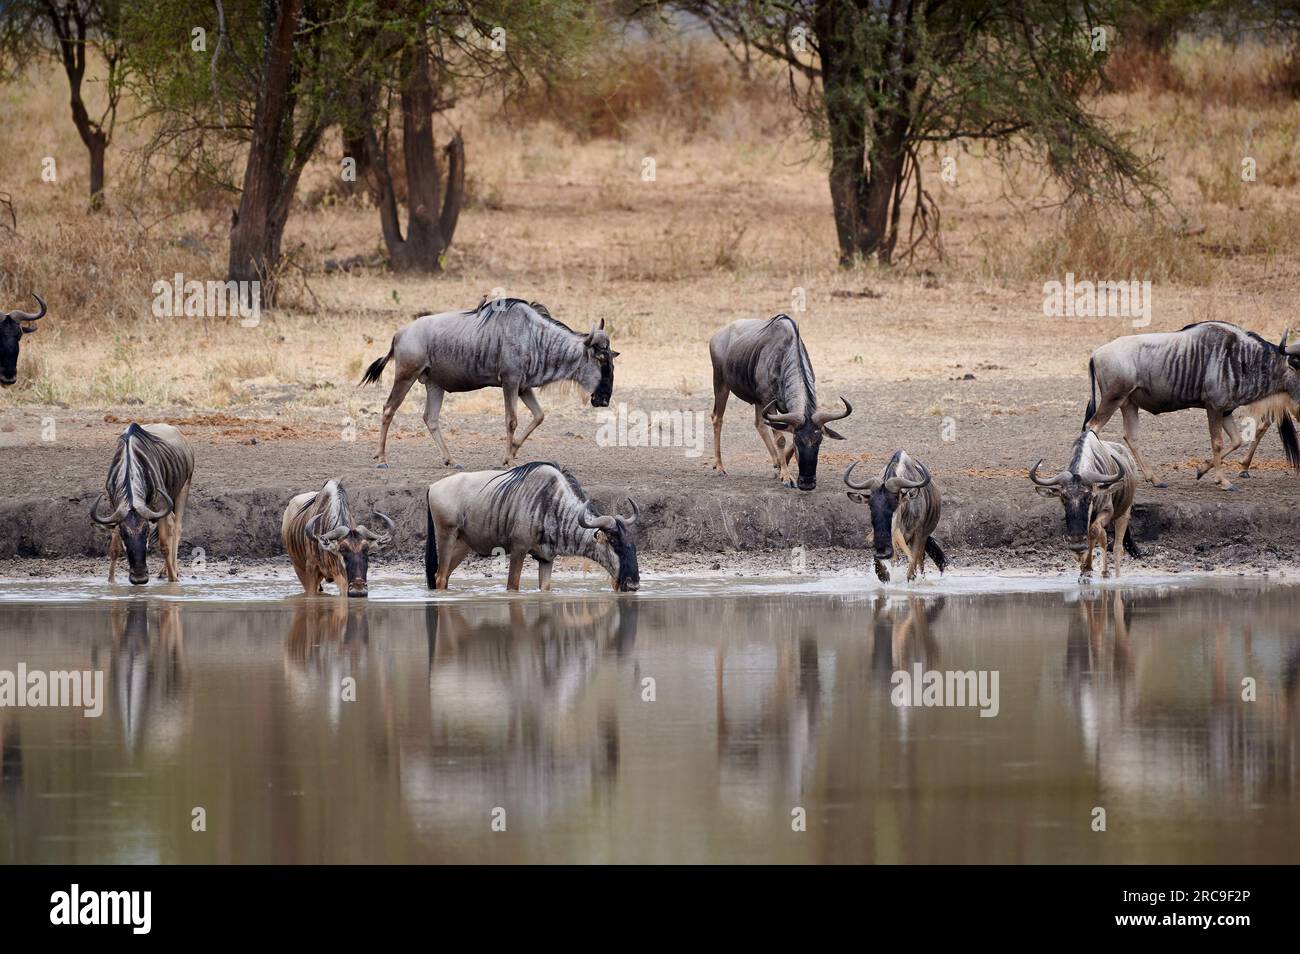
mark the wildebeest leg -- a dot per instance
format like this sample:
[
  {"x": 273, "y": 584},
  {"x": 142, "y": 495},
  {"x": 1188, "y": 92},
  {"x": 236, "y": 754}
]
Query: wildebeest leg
[
  {"x": 720, "y": 394},
  {"x": 765, "y": 434},
  {"x": 1121, "y": 528},
  {"x": 1250, "y": 454},
  {"x": 340, "y": 576},
  {"x": 516, "y": 568},
  {"x": 446, "y": 539},
  {"x": 178, "y": 518},
  {"x": 305, "y": 579},
  {"x": 1130, "y": 440},
  {"x": 529, "y": 397},
  {"x": 165, "y": 526},
  {"x": 511, "y": 392},
  {"x": 402, "y": 382},
  {"x": 916, "y": 560},
  {"x": 1218, "y": 424},
  {"x": 433, "y": 408},
  {"x": 544, "y": 568},
  {"x": 114, "y": 551},
  {"x": 1098, "y": 532}
]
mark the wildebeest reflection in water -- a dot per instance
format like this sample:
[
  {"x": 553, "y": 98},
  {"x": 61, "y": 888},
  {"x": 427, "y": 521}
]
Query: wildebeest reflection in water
[
  {"x": 510, "y": 686},
  {"x": 1220, "y": 744},
  {"x": 147, "y": 674},
  {"x": 328, "y": 642}
]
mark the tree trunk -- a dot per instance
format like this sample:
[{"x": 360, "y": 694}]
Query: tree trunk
[
  {"x": 98, "y": 147},
  {"x": 269, "y": 180},
  {"x": 430, "y": 227}
]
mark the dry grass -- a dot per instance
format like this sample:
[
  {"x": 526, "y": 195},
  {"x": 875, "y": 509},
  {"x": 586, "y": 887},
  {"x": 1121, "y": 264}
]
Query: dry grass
[{"x": 736, "y": 218}]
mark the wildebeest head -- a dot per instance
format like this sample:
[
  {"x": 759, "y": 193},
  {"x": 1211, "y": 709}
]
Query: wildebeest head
[
  {"x": 132, "y": 526},
  {"x": 883, "y": 496},
  {"x": 1078, "y": 496},
  {"x": 13, "y": 325},
  {"x": 616, "y": 546},
  {"x": 1291, "y": 375},
  {"x": 598, "y": 365},
  {"x": 806, "y": 431},
  {"x": 353, "y": 545}
]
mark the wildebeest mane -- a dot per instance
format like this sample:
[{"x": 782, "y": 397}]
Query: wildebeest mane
[
  {"x": 809, "y": 379},
  {"x": 499, "y": 306},
  {"x": 337, "y": 513},
  {"x": 141, "y": 465},
  {"x": 1227, "y": 324},
  {"x": 508, "y": 480}
]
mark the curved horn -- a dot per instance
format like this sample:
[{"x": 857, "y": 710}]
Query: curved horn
[
  {"x": 1051, "y": 481},
  {"x": 112, "y": 519},
  {"x": 338, "y": 533},
  {"x": 871, "y": 484},
  {"x": 792, "y": 419},
  {"x": 148, "y": 514},
  {"x": 636, "y": 512},
  {"x": 821, "y": 417},
  {"x": 895, "y": 484},
  {"x": 600, "y": 523},
  {"x": 370, "y": 534},
  {"x": 24, "y": 316},
  {"x": 1281, "y": 345}
]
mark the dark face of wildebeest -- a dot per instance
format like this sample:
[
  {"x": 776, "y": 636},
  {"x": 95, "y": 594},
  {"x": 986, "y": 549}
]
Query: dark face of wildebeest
[
  {"x": 601, "y": 357},
  {"x": 882, "y": 498},
  {"x": 134, "y": 533},
  {"x": 616, "y": 536},
  {"x": 806, "y": 433},
  {"x": 1077, "y": 498},
  {"x": 353, "y": 545},
  {"x": 13, "y": 325}
]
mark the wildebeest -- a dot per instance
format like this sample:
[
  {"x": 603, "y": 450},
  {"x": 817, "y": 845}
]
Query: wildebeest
[
  {"x": 905, "y": 505},
  {"x": 148, "y": 484},
  {"x": 509, "y": 344},
  {"x": 1211, "y": 364},
  {"x": 1279, "y": 409},
  {"x": 765, "y": 363},
  {"x": 1097, "y": 491},
  {"x": 534, "y": 509},
  {"x": 13, "y": 325},
  {"x": 324, "y": 543}
]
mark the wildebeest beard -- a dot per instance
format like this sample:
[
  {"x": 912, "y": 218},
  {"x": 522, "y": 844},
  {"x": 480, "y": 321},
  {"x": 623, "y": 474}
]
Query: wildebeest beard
[{"x": 605, "y": 388}]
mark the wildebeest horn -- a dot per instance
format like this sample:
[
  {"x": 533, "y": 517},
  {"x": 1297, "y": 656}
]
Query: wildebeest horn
[
  {"x": 1056, "y": 481},
  {"x": 24, "y": 316},
  {"x": 871, "y": 484},
  {"x": 379, "y": 536},
  {"x": 792, "y": 419},
  {"x": 895, "y": 484},
  {"x": 112, "y": 519},
  {"x": 600, "y": 523},
  {"x": 821, "y": 417},
  {"x": 636, "y": 512},
  {"x": 148, "y": 514},
  {"x": 1281, "y": 345}
]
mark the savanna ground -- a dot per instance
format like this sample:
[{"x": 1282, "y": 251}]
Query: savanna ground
[{"x": 950, "y": 357}]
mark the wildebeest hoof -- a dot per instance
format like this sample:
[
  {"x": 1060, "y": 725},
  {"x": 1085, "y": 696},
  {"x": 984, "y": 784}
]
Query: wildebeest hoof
[
  {"x": 457, "y": 466},
  {"x": 382, "y": 465},
  {"x": 1244, "y": 474},
  {"x": 1161, "y": 484},
  {"x": 1230, "y": 487},
  {"x": 882, "y": 572}
]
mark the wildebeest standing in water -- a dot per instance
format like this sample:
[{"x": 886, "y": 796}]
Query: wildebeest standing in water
[
  {"x": 508, "y": 344},
  {"x": 535, "y": 510},
  {"x": 905, "y": 504},
  {"x": 1097, "y": 491},
  {"x": 1212, "y": 365},
  {"x": 766, "y": 364},
  {"x": 148, "y": 484},
  {"x": 324, "y": 543},
  {"x": 13, "y": 325}
]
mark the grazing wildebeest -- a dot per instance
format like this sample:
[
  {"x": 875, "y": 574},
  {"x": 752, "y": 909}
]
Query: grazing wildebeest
[
  {"x": 324, "y": 543},
  {"x": 148, "y": 484},
  {"x": 508, "y": 344},
  {"x": 534, "y": 509},
  {"x": 765, "y": 363},
  {"x": 1279, "y": 409},
  {"x": 13, "y": 325},
  {"x": 905, "y": 506},
  {"x": 1211, "y": 364},
  {"x": 1097, "y": 491}
]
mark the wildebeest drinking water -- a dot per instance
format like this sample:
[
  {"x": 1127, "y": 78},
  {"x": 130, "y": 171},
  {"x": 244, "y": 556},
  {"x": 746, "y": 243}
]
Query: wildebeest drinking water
[
  {"x": 905, "y": 505},
  {"x": 1097, "y": 491},
  {"x": 534, "y": 509},
  {"x": 1212, "y": 365},
  {"x": 13, "y": 325},
  {"x": 148, "y": 484},
  {"x": 766, "y": 364},
  {"x": 325, "y": 543},
  {"x": 508, "y": 344}
]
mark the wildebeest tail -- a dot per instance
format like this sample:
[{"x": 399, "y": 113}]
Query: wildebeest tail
[
  {"x": 1289, "y": 443},
  {"x": 1129, "y": 546},
  {"x": 376, "y": 368},
  {"x": 935, "y": 553},
  {"x": 1092, "y": 394},
  {"x": 430, "y": 550}
]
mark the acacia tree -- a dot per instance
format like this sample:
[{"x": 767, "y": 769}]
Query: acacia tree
[
  {"x": 880, "y": 80},
  {"x": 71, "y": 32}
]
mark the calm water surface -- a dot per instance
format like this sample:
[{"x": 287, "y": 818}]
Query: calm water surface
[{"x": 768, "y": 696}]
